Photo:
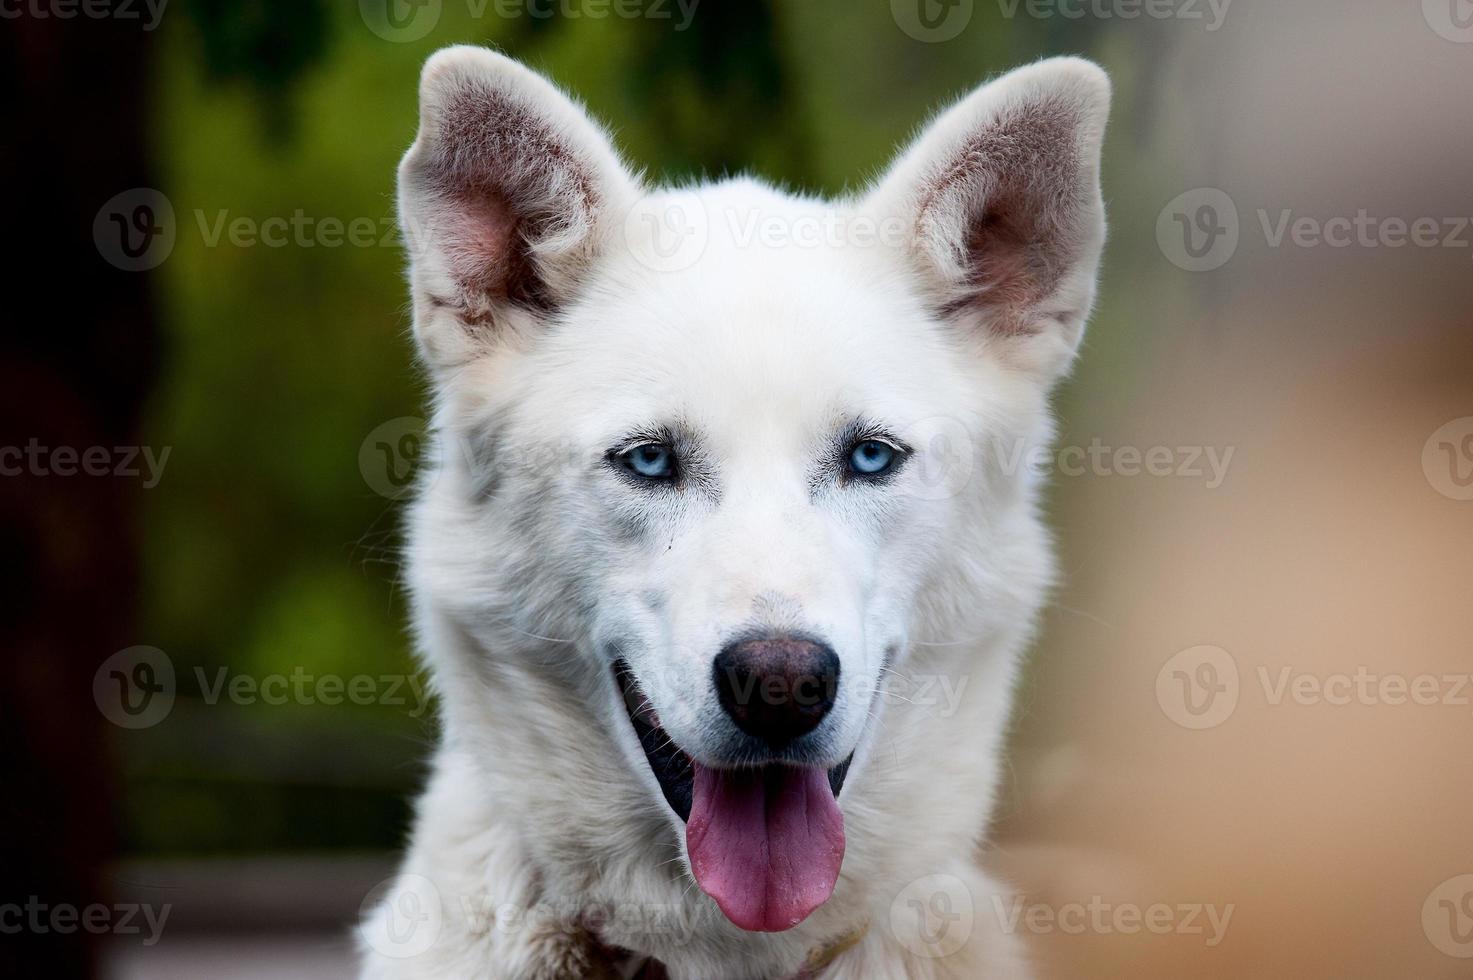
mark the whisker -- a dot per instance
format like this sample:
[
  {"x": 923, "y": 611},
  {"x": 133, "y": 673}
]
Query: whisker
[
  {"x": 948, "y": 643},
  {"x": 1080, "y": 612}
]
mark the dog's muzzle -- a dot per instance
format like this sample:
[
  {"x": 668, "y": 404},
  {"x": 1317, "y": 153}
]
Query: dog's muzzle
[{"x": 765, "y": 841}]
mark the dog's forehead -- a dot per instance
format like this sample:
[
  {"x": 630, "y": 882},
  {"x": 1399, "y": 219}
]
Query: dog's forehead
[{"x": 778, "y": 313}]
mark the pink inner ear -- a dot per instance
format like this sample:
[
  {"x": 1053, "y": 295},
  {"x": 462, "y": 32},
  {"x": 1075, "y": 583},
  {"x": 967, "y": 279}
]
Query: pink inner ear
[
  {"x": 1021, "y": 236},
  {"x": 1009, "y": 274},
  {"x": 503, "y": 179},
  {"x": 481, "y": 242}
]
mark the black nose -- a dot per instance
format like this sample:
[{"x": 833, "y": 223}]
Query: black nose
[{"x": 777, "y": 687}]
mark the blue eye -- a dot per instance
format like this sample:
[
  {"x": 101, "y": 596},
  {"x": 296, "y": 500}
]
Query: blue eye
[
  {"x": 871, "y": 457},
  {"x": 653, "y": 461}
]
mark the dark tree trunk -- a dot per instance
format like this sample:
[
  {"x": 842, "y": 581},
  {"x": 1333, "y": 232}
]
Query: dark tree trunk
[{"x": 80, "y": 354}]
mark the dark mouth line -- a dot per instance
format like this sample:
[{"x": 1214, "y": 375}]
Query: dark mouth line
[
  {"x": 673, "y": 769},
  {"x": 671, "y": 766}
]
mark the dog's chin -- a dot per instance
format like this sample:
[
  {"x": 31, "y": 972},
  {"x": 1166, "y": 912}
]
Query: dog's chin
[{"x": 675, "y": 770}]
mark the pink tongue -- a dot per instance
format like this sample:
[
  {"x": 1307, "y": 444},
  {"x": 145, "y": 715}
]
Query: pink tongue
[{"x": 765, "y": 843}]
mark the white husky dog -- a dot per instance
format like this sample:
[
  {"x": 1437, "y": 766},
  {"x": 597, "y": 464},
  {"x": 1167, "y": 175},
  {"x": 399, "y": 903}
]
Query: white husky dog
[{"x": 726, "y": 565}]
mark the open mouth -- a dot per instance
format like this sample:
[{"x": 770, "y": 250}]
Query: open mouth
[{"x": 765, "y": 842}]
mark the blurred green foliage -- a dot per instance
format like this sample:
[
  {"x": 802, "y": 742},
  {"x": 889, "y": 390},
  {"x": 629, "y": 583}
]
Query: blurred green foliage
[{"x": 267, "y": 552}]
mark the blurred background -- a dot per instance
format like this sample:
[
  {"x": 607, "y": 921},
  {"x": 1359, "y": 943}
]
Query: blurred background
[{"x": 1251, "y": 698}]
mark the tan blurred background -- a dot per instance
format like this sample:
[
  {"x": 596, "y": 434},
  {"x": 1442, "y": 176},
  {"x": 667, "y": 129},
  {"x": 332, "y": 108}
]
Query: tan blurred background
[{"x": 1327, "y": 820}]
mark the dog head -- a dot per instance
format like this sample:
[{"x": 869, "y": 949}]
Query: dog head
[{"x": 730, "y": 448}]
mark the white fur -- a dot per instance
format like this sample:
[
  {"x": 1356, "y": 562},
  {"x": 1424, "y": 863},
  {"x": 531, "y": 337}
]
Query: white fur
[{"x": 531, "y": 562}]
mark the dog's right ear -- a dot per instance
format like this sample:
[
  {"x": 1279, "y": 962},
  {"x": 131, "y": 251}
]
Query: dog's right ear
[
  {"x": 1001, "y": 197},
  {"x": 506, "y": 198}
]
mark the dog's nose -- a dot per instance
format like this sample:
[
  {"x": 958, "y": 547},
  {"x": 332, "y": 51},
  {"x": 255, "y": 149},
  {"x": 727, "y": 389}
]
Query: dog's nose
[{"x": 777, "y": 687}]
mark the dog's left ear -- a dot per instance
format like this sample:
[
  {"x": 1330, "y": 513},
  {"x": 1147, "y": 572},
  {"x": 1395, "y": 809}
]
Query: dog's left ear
[
  {"x": 999, "y": 199},
  {"x": 507, "y": 198}
]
